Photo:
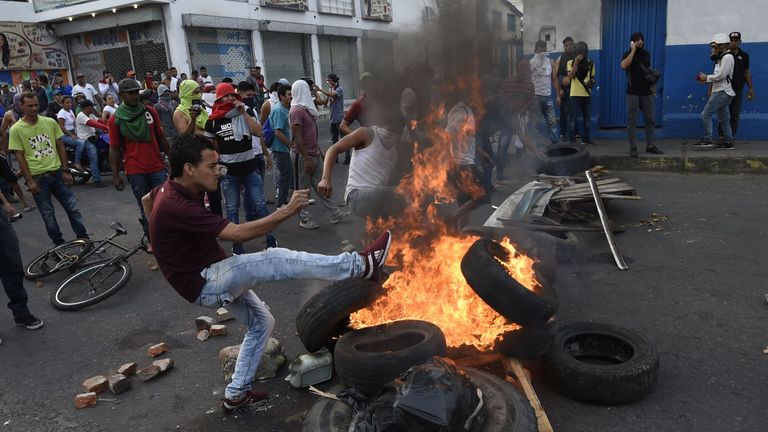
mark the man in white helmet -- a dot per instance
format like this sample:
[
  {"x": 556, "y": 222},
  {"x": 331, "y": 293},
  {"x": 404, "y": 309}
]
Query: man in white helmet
[{"x": 721, "y": 93}]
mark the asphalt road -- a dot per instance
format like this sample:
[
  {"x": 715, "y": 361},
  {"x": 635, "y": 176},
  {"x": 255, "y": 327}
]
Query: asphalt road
[{"x": 695, "y": 288}]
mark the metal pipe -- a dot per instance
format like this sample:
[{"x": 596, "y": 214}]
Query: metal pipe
[{"x": 604, "y": 220}]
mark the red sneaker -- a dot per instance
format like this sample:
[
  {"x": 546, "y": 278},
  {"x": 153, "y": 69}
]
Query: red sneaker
[
  {"x": 375, "y": 256},
  {"x": 250, "y": 398}
]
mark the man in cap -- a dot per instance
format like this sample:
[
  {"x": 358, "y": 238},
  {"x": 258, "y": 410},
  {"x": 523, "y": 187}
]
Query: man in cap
[
  {"x": 640, "y": 93},
  {"x": 721, "y": 95},
  {"x": 136, "y": 137},
  {"x": 87, "y": 90},
  {"x": 741, "y": 76}
]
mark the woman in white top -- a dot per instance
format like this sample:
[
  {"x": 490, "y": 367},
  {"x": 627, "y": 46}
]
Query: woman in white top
[{"x": 109, "y": 108}]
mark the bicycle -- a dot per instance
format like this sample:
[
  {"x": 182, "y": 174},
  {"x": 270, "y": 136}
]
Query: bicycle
[
  {"x": 96, "y": 282},
  {"x": 73, "y": 255}
]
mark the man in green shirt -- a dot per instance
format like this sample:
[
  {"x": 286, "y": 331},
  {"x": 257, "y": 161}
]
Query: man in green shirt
[{"x": 36, "y": 141}]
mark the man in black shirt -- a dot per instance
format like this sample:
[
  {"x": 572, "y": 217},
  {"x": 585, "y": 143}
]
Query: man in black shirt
[
  {"x": 741, "y": 76},
  {"x": 565, "y": 89},
  {"x": 640, "y": 93}
]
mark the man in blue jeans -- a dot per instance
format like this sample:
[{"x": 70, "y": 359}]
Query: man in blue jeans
[
  {"x": 721, "y": 94},
  {"x": 12, "y": 271},
  {"x": 185, "y": 238},
  {"x": 36, "y": 142},
  {"x": 281, "y": 144}
]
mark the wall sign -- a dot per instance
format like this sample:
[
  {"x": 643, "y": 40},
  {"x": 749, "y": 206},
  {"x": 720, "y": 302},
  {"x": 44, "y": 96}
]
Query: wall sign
[{"x": 31, "y": 46}]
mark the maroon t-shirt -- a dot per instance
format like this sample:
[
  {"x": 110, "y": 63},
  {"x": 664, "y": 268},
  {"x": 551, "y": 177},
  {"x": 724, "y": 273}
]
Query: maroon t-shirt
[{"x": 183, "y": 237}]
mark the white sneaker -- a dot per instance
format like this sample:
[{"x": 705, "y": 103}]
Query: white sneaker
[{"x": 310, "y": 224}]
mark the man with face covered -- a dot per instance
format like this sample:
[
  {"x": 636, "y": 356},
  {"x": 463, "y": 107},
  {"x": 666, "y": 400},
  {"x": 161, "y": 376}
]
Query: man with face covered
[
  {"x": 640, "y": 93},
  {"x": 721, "y": 95}
]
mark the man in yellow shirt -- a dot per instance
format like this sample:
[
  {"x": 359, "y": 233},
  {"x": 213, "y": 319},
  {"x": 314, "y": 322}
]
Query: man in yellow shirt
[
  {"x": 36, "y": 141},
  {"x": 581, "y": 76}
]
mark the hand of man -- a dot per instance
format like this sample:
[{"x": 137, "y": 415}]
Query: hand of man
[
  {"x": 268, "y": 160},
  {"x": 751, "y": 94},
  {"x": 578, "y": 59},
  {"x": 68, "y": 180},
  {"x": 194, "y": 112},
  {"x": 299, "y": 200},
  {"x": 632, "y": 46},
  {"x": 240, "y": 106},
  {"x": 118, "y": 182},
  {"x": 32, "y": 187},
  {"x": 701, "y": 77},
  {"x": 309, "y": 165},
  {"x": 324, "y": 188},
  {"x": 559, "y": 101}
]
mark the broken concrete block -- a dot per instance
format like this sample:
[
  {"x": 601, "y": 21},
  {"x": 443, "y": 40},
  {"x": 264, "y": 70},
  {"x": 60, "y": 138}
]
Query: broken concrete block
[
  {"x": 204, "y": 322},
  {"x": 119, "y": 383},
  {"x": 218, "y": 330},
  {"x": 95, "y": 384},
  {"x": 223, "y": 315},
  {"x": 203, "y": 335},
  {"x": 349, "y": 248},
  {"x": 272, "y": 359},
  {"x": 128, "y": 369},
  {"x": 156, "y": 350},
  {"x": 148, "y": 372},
  {"x": 84, "y": 400},
  {"x": 163, "y": 364}
]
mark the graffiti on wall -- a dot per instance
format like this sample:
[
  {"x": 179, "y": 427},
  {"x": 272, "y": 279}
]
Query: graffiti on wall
[
  {"x": 377, "y": 10},
  {"x": 30, "y": 46}
]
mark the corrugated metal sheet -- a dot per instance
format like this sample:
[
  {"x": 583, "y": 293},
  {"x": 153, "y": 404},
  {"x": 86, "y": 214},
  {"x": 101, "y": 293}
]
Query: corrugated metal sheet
[
  {"x": 621, "y": 18},
  {"x": 286, "y": 55}
]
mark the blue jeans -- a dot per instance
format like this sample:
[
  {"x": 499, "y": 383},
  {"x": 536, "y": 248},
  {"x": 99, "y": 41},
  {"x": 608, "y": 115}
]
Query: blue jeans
[
  {"x": 93, "y": 154},
  {"x": 52, "y": 183},
  {"x": 547, "y": 109},
  {"x": 718, "y": 103},
  {"x": 583, "y": 105},
  {"x": 253, "y": 192},
  {"x": 261, "y": 167},
  {"x": 283, "y": 176},
  {"x": 12, "y": 270},
  {"x": 142, "y": 184},
  {"x": 229, "y": 283}
]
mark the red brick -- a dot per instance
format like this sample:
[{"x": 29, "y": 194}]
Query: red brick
[
  {"x": 128, "y": 369},
  {"x": 95, "y": 384},
  {"x": 148, "y": 372},
  {"x": 156, "y": 350},
  {"x": 163, "y": 364},
  {"x": 119, "y": 383},
  {"x": 218, "y": 330},
  {"x": 84, "y": 400}
]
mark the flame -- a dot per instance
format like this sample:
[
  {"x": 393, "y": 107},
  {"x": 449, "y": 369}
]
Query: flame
[{"x": 428, "y": 283}]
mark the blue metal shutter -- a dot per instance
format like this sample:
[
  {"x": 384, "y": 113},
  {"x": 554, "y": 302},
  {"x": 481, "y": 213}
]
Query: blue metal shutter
[{"x": 621, "y": 18}]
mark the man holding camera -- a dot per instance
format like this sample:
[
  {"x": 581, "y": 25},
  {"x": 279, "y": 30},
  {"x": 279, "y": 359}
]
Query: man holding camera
[
  {"x": 640, "y": 92},
  {"x": 136, "y": 138},
  {"x": 721, "y": 93}
]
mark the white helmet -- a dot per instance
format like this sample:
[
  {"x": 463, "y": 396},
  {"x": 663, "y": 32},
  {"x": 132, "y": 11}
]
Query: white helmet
[{"x": 720, "y": 39}]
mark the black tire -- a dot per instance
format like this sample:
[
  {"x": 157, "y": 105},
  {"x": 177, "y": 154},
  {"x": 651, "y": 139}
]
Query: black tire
[
  {"x": 57, "y": 259},
  {"x": 323, "y": 317},
  {"x": 506, "y": 409},
  {"x": 527, "y": 343},
  {"x": 91, "y": 285},
  {"x": 601, "y": 364},
  {"x": 369, "y": 358},
  {"x": 328, "y": 415},
  {"x": 565, "y": 160},
  {"x": 501, "y": 291}
]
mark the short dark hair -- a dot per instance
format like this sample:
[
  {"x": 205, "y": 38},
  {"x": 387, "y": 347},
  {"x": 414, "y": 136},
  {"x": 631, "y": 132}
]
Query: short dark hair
[
  {"x": 194, "y": 72},
  {"x": 244, "y": 86},
  {"x": 27, "y": 95},
  {"x": 257, "y": 67},
  {"x": 227, "y": 80},
  {"x": 203, "y": 67},
  {"x": 567, "y": 39},
  {"x": 187, "y": 149},
  {"x": 275, "y": 85},
  {"x": 65, "y": 97},
  {"x": 282, "y": 90}
]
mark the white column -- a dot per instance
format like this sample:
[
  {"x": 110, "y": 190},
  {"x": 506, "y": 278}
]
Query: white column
[
  {"x": 258, "y": 54},
  {"x": 176, "y": 38},
  {"x": 316, "y": 59},
  {"x": 360, "y": 62}
]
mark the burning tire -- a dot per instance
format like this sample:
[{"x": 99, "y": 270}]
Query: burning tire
[
  {"x": 601, "y": 364},
  {"x": 328, "y": 415},
  {"x": 373, "y": 356},
  {"x": 501, "y": 291},
  {"x": 323, "y": 317},
  {"x": 527, "y": 343},
  {"x": 565, "y": 160}
]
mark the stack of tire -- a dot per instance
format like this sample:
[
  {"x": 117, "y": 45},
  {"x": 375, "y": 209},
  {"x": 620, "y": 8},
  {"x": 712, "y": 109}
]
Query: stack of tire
[
  {"x": 564, "y": 160},
  {"x": 589, "y": 362}
]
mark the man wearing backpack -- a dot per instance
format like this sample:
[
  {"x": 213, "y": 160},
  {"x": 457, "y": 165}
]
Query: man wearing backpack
[
  {"x": 721, "y": 93},
  {"x": 640, "y": 92},
  {"x": 581, "y": 78}
]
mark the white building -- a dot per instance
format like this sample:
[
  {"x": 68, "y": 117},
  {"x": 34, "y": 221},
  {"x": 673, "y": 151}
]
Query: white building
[
  {"x": 677, "y": 33},
  {"x": 287, "y": 38}
]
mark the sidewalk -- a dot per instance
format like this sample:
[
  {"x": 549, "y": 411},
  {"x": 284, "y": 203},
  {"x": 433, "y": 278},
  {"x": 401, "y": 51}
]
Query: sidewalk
[{"x": 749, "y": 157}]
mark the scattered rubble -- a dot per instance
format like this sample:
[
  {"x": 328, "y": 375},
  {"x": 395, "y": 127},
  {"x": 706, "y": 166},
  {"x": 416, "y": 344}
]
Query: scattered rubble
[
  {"x": 218, "y": 330},
  {"x": 654, "y": 222},
  {"x": 84, "y": 400},
  {"x": 119, "y": 383},
  {"x": 272, "y": 359},
  {"x": 164, "y": 364},
  {"x": 157, "y": 349},
  {"x": 765, "y": 350},
  {"x": 223, "y": 315},
  {"x": 148, "y": 372},
  {"x": 204, "y": 322},
  {"x": 95, "y": 384},
  {"x": 203, "y": 335},
  {"x": 128, "y": 369}
]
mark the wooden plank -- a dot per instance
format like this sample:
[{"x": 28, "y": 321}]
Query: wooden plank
[
  {"x": 599, "y": 183},
  {"x": 604, "y": 196},
  {"x": 513, "y": 367},
  {"x": 479, "y": 360}
]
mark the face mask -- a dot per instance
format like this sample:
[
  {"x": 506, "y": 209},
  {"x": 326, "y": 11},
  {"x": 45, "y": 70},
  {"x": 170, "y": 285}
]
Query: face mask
[{"x": 249, "y": 101}]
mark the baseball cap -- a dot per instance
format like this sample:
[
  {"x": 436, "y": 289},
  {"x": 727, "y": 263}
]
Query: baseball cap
[
  {"x": 128, "y": 85},
  {"x": 720, "y": 38},
  {"x": 284, "y": 81},
  {"x": 80, "y": 74},
  {"x": 735, "y": 35}
]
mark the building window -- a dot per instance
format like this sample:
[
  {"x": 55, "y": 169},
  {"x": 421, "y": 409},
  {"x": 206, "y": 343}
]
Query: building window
[
  {"x": 496, "y": 20},
  {"x": 511, "y": 23}
]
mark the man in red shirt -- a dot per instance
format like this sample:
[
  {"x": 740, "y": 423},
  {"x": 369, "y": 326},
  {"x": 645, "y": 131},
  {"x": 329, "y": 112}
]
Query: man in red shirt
[
  {"x": 185, "y": 235},
  {"x": 136, "y": 139}
]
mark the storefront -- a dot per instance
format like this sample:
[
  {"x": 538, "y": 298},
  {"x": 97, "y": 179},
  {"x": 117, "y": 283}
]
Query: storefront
[
  {"x": 29, "y": 50},
  {"x": 223, "y": 52}
]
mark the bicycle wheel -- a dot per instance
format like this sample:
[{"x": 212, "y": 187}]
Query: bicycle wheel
[
  {"x": 91, "y": 285},
  {"x": 57, "y": 258}
]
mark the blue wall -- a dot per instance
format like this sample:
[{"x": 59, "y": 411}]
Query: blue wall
[{"x": 684, "y": 98}]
